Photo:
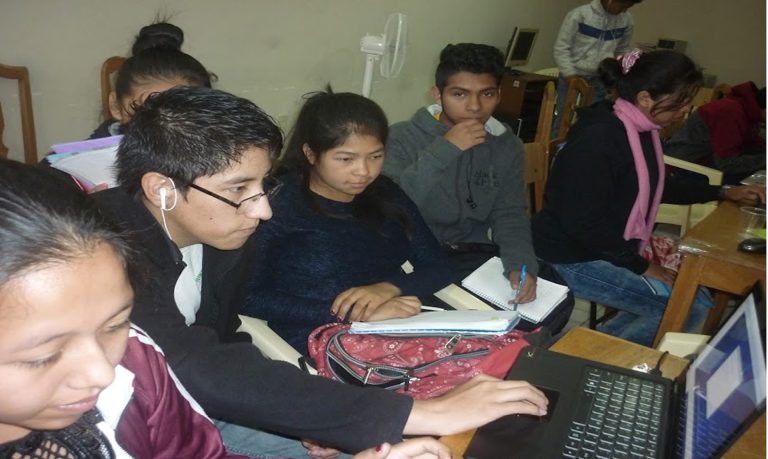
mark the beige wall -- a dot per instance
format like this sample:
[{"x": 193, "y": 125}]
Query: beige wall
[
  {"x": 726, "y": 38},
  {"x": 273, "y": 51}
]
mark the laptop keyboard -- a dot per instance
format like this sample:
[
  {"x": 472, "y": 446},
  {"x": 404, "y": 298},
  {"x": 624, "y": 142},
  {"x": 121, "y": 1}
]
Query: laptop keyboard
[{"x": 617, "y": 416}]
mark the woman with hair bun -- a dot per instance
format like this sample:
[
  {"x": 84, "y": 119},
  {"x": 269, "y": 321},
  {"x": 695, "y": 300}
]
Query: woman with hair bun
[
  {"x": 156, "y": 64},
  {"x": 606, "y": 185}
]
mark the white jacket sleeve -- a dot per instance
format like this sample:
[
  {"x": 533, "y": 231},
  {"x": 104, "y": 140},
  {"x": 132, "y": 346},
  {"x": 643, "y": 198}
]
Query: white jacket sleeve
[
  {"x": 625, "y": 43},
  {"x": 563, "y": 49}
]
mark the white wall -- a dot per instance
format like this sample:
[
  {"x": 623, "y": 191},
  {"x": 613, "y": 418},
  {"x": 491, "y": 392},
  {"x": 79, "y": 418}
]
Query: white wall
[
  {"x": 270, "y": 51},
  {"x": 273, "y": 51}
]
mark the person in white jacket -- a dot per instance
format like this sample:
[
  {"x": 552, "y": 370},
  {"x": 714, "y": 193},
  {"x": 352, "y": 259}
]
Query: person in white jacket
[{"x": 589, "y": 34}]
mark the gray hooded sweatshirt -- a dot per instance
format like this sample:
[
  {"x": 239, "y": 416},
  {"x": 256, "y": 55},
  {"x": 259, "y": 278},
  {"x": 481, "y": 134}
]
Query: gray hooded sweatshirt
[{"x": 463, "y": 195}]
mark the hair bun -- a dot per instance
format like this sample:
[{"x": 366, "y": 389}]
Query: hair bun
[{"x": 158, "y": 35}]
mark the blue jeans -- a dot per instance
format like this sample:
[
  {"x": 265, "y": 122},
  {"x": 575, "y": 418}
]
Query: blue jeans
[
  {"x": 259, "y": 444},
  {"x": 640, "y": 300},
  {"x": 598, "y": 94}
]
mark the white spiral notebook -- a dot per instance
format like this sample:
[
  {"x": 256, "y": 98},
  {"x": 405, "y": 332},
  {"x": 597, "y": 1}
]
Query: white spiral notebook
[{"x": 489, "y": 283}]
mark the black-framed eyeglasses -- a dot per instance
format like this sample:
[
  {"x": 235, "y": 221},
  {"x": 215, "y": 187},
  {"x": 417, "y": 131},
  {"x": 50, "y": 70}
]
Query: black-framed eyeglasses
[{"x": 271, "y": 188}]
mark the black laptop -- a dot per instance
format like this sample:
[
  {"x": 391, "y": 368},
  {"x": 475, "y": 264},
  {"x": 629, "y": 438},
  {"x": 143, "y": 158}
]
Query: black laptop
[{"x": 602, "y": 411}]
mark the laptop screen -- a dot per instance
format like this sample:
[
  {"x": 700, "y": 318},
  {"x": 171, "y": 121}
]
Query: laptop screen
[{"x": 725, "y": 385}]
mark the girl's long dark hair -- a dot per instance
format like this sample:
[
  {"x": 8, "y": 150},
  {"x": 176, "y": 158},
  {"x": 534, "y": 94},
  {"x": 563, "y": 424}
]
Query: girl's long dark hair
[
  {"x": 325, "y": 121},
  {"x": 657, "y": 72}
]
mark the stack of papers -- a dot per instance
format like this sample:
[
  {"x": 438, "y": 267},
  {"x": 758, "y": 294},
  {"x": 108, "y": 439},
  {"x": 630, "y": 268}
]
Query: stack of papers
[
  {"x": 463, "y": 322},
  {"x": 90, "y": 162}
]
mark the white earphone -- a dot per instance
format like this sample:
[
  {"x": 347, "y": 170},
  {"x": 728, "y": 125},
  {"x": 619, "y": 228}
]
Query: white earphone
[
  {"x": 164, "y": 204},
  {"x": 163, "y": 196}
]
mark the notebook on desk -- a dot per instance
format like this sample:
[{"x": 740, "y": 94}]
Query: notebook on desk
[
  {"x": 601, "y": 411},
  {"x": 489, "y": 283}
]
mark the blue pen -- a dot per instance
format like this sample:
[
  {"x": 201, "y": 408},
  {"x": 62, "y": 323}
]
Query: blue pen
[{"x": 520, "y": 284}]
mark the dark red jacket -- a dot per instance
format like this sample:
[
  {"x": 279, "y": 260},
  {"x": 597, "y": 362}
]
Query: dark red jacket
[
  {"x": 156, "y": 417},
  {"x": 731, "y": 121}
]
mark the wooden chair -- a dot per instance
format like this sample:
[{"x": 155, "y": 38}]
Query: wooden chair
[
  {"x": 535, "y": 177},
  {"x": 546, "y": 113},
  {"x": 703, "y": 96},
  {"x": 21, "y": 74},
  {"x": 686, "y": 216},
  {"x": 108, "y": 68},
  {"x": 720, "y": 91},
  {"x": 579, "y": 95}
]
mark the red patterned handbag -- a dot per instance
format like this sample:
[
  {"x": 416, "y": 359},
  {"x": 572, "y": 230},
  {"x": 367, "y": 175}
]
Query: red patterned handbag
[
  {"x": 421, "y": 366},
  {"x": 662, "y": 250}
]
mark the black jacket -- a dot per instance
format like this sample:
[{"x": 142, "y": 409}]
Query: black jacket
[
  {"x": 222, "y": 370},
  {"x": 591, "y": 190}
]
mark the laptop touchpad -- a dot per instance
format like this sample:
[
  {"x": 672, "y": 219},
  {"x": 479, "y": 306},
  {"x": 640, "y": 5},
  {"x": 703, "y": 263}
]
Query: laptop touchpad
[{"x": 552, "y": 395}]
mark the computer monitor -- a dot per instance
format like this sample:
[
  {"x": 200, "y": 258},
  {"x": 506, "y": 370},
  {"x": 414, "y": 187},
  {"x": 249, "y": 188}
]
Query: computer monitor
[{"x": 520, "y": 46}]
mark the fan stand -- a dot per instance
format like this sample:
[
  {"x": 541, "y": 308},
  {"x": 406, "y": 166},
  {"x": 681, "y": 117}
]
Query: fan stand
[{"x": 370, "y": 60}]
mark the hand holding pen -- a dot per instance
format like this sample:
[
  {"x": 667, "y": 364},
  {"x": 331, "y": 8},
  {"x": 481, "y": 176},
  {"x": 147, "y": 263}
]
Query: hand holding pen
[{"x": 526, "y": 286}]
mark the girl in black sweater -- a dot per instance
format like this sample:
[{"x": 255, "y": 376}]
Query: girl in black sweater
[{"x": 605, "y": 188}]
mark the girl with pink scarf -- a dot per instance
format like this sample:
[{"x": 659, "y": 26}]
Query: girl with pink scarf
[{"x": 605, "y": 188}]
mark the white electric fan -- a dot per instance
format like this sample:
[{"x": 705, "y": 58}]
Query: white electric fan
[{"x": 389, "y": 48}]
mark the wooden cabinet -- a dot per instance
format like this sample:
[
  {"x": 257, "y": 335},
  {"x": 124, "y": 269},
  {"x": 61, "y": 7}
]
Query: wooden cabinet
[{"x": 521, "y": 94}]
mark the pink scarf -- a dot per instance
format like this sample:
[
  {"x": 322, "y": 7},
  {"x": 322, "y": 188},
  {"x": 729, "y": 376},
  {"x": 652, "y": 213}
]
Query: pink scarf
[{"x": 639, "y": 225}]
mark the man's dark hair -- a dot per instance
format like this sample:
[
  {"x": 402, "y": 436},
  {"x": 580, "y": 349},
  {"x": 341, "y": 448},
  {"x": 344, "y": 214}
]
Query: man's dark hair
[
  {"x": 185, "y": 133},
  {"x": 468, "y": 57}
]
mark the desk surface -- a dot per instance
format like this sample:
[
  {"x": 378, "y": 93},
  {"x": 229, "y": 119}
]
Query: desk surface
[
  {"x": 590, "y": 344},
  {"x": 718, "y": 236},
  {"x": 711, "y": 258}
]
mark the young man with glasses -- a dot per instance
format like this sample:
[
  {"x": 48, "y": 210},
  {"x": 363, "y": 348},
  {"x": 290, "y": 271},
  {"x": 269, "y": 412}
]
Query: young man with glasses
[{"x": 192, "y": 167}]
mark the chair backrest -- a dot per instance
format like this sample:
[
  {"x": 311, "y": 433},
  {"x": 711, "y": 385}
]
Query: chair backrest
[
  {"x": 21, "y": 74},
  {"x": 535, "y": 177},
  {"x": 579, "y": 95},
  {"x": 703, "y": 96},
  {"x": 686, "y": 216},
  {"x": 720, "y": 91},
  {"x": 109, "y": 67},
  {"x": 555, "y": 145},
  {"x": 546, "y": 113}
]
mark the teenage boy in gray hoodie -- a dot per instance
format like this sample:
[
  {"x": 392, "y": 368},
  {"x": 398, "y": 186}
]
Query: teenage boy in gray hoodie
[{"x": 464, "y": 169}]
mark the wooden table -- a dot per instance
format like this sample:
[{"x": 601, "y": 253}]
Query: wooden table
[
  {"x": 593, "y": 345},
  {"x": 711, "y": 259}
]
